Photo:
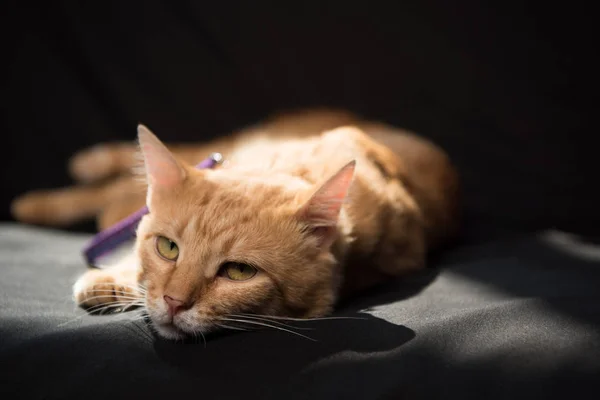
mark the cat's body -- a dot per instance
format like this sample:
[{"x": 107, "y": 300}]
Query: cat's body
[{"x": 314, "y": 212}]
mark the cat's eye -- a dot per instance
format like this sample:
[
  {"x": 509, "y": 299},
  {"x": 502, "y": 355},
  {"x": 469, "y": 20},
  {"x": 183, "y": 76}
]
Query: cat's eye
[
  {"x": 237, "y": 271},
  {"x": 167, "y": 248}
]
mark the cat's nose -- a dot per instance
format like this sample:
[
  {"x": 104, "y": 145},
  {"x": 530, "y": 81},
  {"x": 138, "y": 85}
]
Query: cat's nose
[{"x": 174, "y": 305}]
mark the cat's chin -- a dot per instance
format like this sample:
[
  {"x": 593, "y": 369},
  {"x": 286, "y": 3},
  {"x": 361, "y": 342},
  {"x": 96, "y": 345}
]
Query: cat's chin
[
  {"x": 173, "y": 332},
  {"x": 170, "y": 332}
]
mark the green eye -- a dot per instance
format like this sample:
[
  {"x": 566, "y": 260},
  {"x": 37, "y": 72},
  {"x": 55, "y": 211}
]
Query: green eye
[
  {"x": 237, "y": 271},
  {"x": 167, "y": 248}
]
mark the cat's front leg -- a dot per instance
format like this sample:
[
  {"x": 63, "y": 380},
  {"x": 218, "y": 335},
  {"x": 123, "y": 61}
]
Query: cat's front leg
[{"x": 108, "y": 289}]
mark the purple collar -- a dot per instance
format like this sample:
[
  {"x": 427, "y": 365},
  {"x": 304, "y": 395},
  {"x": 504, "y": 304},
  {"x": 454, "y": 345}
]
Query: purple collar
[{"x": 111, "y": 238}]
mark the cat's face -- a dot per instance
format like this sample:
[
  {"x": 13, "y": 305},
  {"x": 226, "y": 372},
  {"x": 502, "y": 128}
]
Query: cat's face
[{"x": 218, "y": 244}]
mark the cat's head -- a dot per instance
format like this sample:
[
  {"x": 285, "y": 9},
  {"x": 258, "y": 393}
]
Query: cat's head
[{"x": 218, "y": 244}]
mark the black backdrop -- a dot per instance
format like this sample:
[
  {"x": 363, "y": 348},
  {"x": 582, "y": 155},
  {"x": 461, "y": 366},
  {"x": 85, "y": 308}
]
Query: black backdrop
[{"x": 507, "y": 89}]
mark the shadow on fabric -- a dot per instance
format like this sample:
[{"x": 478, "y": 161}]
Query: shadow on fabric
[
  {"x": 239, "y": 361},
  {"x": 283, "y": 357}
]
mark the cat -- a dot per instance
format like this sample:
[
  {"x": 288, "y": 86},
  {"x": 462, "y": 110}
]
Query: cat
[{"x": 309, "y": 207}]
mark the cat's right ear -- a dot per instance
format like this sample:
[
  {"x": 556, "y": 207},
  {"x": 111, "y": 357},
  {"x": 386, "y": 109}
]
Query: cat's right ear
[
  {"x": 163, "y": 171},
  {"x": 322, "y": 211}
]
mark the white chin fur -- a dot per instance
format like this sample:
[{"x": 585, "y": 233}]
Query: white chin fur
[
  {"x": 181, "y": 330},
  {"x": 169, "y": 332},
  {"x": 185, "y": 325}
]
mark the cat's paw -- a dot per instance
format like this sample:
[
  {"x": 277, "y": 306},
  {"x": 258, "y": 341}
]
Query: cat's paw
[{"x": 105, "y": 290}]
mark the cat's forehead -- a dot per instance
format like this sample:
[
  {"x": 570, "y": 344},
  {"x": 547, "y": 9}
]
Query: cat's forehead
[
  {"x": 210, "y": 203},
  {"x": 249, "y": 178},
  {"x": 242, "y": 191}
]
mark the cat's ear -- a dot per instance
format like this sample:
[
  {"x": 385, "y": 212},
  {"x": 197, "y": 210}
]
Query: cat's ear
[
  {"x": 322, "y": 211},
  {"x": 161, "y": 168}
]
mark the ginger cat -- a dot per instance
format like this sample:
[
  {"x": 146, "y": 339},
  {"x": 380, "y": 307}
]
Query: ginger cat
[{"x": 309, "y": 207}]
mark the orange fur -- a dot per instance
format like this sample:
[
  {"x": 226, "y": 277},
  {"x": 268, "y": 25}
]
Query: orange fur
[{"x": 291, "y": 202}]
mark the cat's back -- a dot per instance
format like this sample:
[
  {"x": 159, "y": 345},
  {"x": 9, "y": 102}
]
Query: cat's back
[
  {"x": 311, "y": 156},
  {"x": 314, "y": 144}
]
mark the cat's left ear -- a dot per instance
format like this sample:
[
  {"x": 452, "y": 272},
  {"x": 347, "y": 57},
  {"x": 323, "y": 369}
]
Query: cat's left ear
[
  {"x": 322, "y": 211},
  {"x": 163, "y": 171}
]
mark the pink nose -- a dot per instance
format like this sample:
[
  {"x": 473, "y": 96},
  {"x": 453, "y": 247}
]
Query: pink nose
[{"x": 174, "y": 305}]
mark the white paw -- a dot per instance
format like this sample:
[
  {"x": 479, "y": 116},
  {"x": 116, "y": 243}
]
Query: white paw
[{"x": 97, "y": 288}]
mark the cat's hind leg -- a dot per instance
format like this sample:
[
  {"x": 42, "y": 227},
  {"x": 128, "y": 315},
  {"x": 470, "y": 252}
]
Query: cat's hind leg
[{"x": 65, "y": 206}]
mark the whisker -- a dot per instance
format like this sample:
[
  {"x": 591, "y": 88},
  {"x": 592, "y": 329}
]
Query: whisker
[
  {"x": 112, "y": 296},
  {"x": 261, "y": 318},
  {"x": 135, "y": 292},
  {"x": 146, "y": 335},
  {"x": 132, "y": 294},
  {"x": 267, "y": 325},
  {"x": 100, "y": 308},
  {"x": 307, "y": 319},
  {"x": 202, "y": 335},
  {"x": 135, "y": 314},
  {"x": 231, "y": 327},
  {"x": 121, "y": 303},
  {"x": 104, "y": 307},
  {"x": 108, "y": 296},
  {"x": 70, "y": 321},
  {"x": 152, "y": 327},
  {"x": 133, "y": 287},
  {"x": 132, "y": 305},
  {"x": 141, "y": 315},
  {"x": 142, "y": 287},
  {"x": 110, "y": 303}
]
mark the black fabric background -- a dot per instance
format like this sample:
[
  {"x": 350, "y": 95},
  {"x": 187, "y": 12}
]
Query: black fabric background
[
  {"x": 517, "y": 318},
  {"x": 508, "y": 89}
]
